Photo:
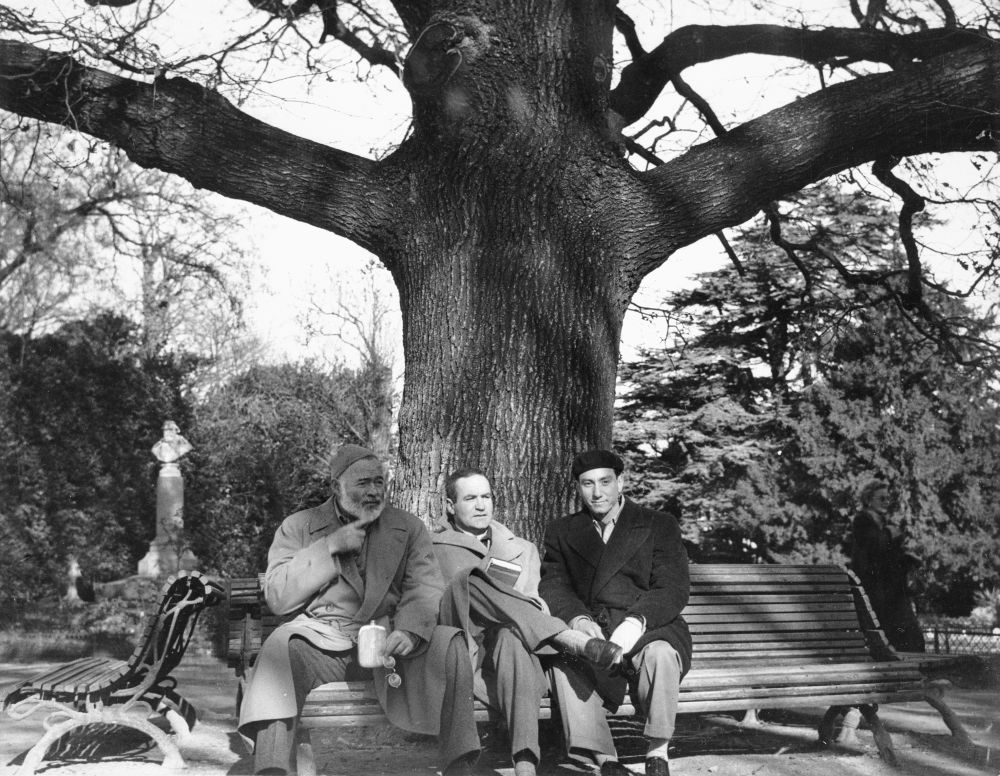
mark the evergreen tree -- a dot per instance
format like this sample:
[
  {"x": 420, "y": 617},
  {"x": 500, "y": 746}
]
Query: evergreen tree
[{"x": 774, "y": 402}]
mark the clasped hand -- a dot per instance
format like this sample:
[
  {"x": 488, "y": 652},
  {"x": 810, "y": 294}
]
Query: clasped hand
[{"x": 347, "y": 538}]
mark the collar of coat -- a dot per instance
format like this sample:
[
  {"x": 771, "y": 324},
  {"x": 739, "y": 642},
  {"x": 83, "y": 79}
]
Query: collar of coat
[
  {"x": 632, "y": 531},
  {"x": 500, "y": 535}
]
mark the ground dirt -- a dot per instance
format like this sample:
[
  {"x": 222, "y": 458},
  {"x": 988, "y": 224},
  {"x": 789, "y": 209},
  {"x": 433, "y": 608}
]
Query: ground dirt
[{"x": 785, "y": 745}]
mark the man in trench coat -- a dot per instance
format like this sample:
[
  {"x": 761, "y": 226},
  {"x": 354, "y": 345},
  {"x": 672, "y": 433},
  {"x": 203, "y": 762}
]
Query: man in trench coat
[
  {"x": 508, "y": 625},
  {"x": 619, "y": 571},
  {"x": 351, "y": 560}
]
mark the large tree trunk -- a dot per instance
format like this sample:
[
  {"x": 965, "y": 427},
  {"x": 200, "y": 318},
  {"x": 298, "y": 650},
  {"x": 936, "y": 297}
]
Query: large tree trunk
[
  {"x": 511, "y": 323},
  {"x": 507, "y": 265}
]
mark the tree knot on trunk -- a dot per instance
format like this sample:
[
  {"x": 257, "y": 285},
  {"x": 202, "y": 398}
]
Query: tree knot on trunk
[{"x": 447, "y": 43}]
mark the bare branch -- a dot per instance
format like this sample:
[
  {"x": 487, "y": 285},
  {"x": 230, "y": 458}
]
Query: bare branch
[
  {"x": 625, "y": 24},
  {"x": 643, "y": 80},
  {"x": 947, "y": 105},
  {"x": 180, "y": 127},
  {"x": 912, "y": 203}
]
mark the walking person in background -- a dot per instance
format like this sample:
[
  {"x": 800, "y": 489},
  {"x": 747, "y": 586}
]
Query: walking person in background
[{"x": 882, "y": 564}]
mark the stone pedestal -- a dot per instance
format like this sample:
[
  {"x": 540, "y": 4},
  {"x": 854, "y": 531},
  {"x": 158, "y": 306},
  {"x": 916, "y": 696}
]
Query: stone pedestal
[{"x": 168, "y": 552}]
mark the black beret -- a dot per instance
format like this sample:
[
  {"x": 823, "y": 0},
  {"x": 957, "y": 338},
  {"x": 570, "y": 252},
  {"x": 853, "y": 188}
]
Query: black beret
[{"x": 597, "y": 459}]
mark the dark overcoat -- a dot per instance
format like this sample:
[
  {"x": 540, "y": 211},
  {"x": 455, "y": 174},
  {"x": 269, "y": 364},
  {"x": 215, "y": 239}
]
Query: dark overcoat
[{"x": 642, "y": 571}]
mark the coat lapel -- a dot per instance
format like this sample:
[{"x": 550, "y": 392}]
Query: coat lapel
[
  {"x": 631, "y": 532},
  {"x": 383, "y": 554},
  {"x": 325, "y": 521},
  {"x": 584, "y": 540},
  {"x": 503, "y": 544}
]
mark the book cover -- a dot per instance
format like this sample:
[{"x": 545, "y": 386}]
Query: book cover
[{"x": 503, "y": 571}]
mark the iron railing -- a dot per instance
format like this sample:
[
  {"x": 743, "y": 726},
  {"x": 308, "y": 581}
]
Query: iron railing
[{"x": 964, "y": 641}]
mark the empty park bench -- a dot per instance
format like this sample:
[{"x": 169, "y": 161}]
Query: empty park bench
[
  {"x": 765, "y": 637},
  {"x": 123, "y": 692}
]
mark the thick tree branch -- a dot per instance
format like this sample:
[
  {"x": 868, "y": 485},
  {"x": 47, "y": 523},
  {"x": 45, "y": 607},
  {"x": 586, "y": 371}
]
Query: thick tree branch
[
  {"x": 912, "y": 203},
  {"x": 950, "y": 104},
  {"x": 643, "y": 80},
  {"x": 413, "y": 13},
  {"x": 182, "y": 128}
]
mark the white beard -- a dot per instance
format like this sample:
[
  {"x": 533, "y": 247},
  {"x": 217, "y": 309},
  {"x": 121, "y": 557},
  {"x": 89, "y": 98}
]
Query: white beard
[{"x": 364, "y": 514}]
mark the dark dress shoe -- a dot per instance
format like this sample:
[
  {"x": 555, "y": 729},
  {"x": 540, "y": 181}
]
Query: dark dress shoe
[
  {"x": 602, "y": 654},
  {"x": 463, "y": 766},
  {"x": 614, "y": 768},
  {"x": 657, "y": 766}
]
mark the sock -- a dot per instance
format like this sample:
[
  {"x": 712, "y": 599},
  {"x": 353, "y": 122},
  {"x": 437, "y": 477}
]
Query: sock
[{"x": 658, "y": 747}]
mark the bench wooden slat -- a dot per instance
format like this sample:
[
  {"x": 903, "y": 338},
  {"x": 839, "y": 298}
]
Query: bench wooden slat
[
  {"x": 764, "y": 611},
  {"x": 763, "y": 587},
  {"x": 68, "y": 674},
  {"x": 773, "y": 569},
  {"x": 798, "y": 655},
  {"x": 764, "y": 621},
  {"x": 706, "y": 629}
]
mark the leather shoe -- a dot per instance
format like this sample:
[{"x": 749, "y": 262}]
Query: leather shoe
[
  {"x": 463, "y": 766},
  {"x": 614, "y": 768},
  {"x": 657, "y": 766},
  {"x": 602, "y": 654}
]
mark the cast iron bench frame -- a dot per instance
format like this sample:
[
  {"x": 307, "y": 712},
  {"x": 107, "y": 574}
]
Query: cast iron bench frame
[
  {"x": 765, "y": 636},
  {"x": 123, "y": 692}
]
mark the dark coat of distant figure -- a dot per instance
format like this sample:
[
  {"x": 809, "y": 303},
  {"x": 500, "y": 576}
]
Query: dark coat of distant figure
[{"x": 881, "y": 563}]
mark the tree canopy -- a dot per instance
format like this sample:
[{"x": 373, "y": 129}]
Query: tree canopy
[
  {"x": 768, "y": 411},
  {"x": 527, "y": 201}
]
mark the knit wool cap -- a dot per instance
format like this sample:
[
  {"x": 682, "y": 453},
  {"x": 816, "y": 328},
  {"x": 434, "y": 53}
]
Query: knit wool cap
[
  {"x": 597, "y": 459},
  {"x": 345, "y": 456}
]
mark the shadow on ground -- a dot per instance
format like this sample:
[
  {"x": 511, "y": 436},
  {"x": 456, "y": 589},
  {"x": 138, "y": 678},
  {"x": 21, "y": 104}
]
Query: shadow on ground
[{"x": 785, "y": 745}]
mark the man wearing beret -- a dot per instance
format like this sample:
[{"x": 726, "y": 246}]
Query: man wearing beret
[
  {"x": 619, "y": 571},
  {"x": 351, "y": 560}
]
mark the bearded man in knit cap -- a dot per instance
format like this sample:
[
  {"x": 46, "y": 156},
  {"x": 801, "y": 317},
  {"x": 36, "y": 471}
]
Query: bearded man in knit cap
[
  {"x": 618, "y": 571},
  {"x": 348, "y": 561}
]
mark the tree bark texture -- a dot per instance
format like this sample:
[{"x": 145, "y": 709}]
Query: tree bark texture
[{"x": 514, "y": 228}]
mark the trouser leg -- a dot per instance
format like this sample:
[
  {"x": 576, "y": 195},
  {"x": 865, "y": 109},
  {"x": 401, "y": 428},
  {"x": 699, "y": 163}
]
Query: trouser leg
[
  {"x": 516, "y": 685},
  {"x": 657, "y": 687},
  {"x": 458, "y": 737},
  {"x": 311, "y": 667},
  {"x": 489, "y": 607},
  {"x": 581, "y": 711}
]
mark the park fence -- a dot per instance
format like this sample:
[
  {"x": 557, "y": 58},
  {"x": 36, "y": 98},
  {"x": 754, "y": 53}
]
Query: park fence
[{"x": 964, "y": 641}]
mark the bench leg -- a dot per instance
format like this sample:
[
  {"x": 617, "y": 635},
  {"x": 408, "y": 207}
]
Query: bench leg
[
  {"x": 826, "y": 726},
  {"x": 305, "y": 757},
  {"x": 882, "y": 738},
  {"x": 172, "y": 759},
  {"x": 935, "y": 697}
]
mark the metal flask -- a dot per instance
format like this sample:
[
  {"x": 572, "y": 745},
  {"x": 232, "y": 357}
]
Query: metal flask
[{"x": 371, "y": 645}]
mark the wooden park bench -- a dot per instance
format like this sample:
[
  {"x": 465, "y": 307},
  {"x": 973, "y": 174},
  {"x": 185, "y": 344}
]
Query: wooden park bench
[
  {"x": 765, "y": 637},
  {"x": 123, "y": 692}
]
